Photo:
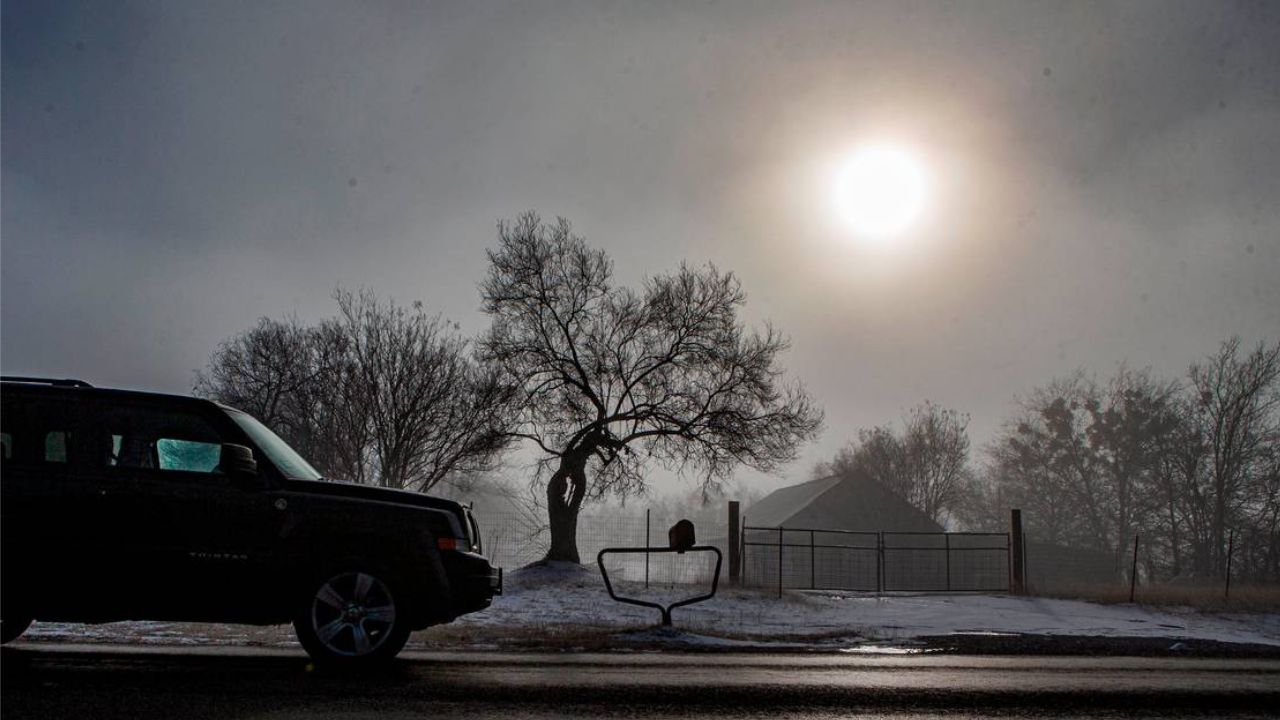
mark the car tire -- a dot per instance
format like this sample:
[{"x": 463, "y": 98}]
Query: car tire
[
  {"x": 353, "y": 617},
  {"x": 11, "y": 630}
]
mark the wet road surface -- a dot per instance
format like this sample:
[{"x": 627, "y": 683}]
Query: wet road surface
[{"x": 41, "y": 680}]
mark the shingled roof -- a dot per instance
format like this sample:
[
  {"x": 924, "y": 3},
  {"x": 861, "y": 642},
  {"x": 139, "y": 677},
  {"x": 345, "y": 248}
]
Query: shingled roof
[{"x": 839, "y": 502}]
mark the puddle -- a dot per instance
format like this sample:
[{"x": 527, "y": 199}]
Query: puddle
[{"x": 885, "y": 650}]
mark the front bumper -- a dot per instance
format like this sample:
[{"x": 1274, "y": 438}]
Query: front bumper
[
  {"x": 491, "y": 579},
  {"x": 475, "y": 581}
]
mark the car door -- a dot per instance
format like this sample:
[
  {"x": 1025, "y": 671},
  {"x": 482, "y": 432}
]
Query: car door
[
  {"x": 198, "y": 542},
  {"x": 54, "y": 553}
]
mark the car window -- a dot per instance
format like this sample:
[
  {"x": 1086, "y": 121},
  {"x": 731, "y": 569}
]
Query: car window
[
  {"x": 38, "y": 434},
  {"x": 55, "y": 446},
  {"x": 152, "y": 438},
  {"x": 188, "y": 455},
  {"x": 285, "y": 458}
]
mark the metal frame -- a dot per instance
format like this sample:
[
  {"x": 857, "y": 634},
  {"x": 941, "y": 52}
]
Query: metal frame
[
  {"x": 813, "y": 546},
  {"x": 881, "y": 549},
  {"x": 664, "y": 609}
]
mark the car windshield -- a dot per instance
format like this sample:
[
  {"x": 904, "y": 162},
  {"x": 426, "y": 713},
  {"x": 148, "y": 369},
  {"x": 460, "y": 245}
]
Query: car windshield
[{"x": 286, "y": 459}]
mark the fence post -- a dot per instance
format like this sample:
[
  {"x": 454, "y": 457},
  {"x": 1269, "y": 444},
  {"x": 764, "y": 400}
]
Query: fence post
[
  {"x": 1231, "y": 547},
  {"x": 879, "y": 562},
  {"x": 947, "y": 537},
  {"x": 1017, "y": 576},
  {"x": 813, "y": 576},
  {"x": 647, "y": 512},
  {"x": 1028, "y": 587},
  {"x": 742, "y": 551},
  {"x": 735, "y": 550},
  {"x": 1133, "y": 572},
  {"x": 779, "y": 561}
]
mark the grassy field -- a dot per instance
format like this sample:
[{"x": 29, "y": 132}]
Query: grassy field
[{"x": 1245, "y": 598}]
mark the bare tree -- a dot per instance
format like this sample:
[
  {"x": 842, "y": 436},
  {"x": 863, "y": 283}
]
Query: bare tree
[
  {"x": 1181, "y": 463},
  {"x": 381, "y": 394},
  {"x": 937, "y": 450},
  {"x": 1093, "y": 465},
  {"x": 1043, "y": 459},
  {"x": 262, "y": 369},
  {"x": 1131, "y": 421},
  {"x": 612, "y": 377},
  {"x": 283, "y": 373},
  {"x": 1237, "y": 411},
  {"x": 926, "y": 464},
  {"x": 430, "y": 410},
  {"x": 1179, "y": 460},
  {"x": 338, "y": 433}
]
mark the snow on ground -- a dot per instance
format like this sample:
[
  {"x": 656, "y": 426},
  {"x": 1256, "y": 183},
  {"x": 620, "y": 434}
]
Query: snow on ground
[
  {"x": 538, "y": 596},
  {"x": 558, "y": 605}
]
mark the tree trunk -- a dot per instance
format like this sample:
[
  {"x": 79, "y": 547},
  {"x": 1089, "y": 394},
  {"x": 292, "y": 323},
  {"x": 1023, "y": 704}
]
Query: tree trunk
[
  {"x": 1174, "y": 547},
  {"x": 565, "y": 491},
  {"x": 1218, "y": 559}
]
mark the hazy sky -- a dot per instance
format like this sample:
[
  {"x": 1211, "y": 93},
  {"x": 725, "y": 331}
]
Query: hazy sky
[{"x": 1105, "y": 178}]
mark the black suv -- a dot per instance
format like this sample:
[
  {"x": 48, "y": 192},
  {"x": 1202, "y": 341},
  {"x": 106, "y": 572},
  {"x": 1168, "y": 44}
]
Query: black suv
[{"x": 129, "y": 505}]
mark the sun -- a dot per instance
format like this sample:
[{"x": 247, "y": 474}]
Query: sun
[{"x": 879, "y": 191}]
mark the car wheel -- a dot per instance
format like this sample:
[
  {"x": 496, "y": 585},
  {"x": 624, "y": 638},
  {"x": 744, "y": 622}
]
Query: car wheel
[
  {"x": 352, "y": 617},
  {"x": 11, "y": 630}
]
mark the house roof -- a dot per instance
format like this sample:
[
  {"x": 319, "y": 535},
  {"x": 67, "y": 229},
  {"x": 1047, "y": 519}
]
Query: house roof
[
  {"x": 839, "y": 502},
  {"x": 781, "y": 505}
]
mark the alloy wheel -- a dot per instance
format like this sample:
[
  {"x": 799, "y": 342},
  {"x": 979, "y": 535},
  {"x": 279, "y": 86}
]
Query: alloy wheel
[{"x": 353, "y": 614}]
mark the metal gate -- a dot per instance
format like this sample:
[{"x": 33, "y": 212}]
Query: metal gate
[{"x": 820, "y": 559}]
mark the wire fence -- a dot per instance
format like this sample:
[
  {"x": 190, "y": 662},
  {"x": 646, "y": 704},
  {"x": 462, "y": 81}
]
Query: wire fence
[
  {"x": 514, "y": 540},
  {"x": 808, "y": 558},
  {"x": 817, "y": 559},
  {"x": 1143, "y": 569},
  {"x": 1051, "y": 567},
  {"x": 824, "y": 559}
]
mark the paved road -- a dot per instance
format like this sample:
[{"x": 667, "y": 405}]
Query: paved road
[{"x": 55, "y": 681}]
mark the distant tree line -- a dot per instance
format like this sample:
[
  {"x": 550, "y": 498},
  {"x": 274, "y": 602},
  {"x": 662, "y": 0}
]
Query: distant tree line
[{"x": 1185, "y": 463}]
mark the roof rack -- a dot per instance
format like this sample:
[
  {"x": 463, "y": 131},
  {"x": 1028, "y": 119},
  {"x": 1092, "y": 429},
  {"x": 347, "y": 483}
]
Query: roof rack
[{"x": 56, "y": 382}]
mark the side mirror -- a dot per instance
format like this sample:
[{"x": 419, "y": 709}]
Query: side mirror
[{"x": 238, "y": 463}]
